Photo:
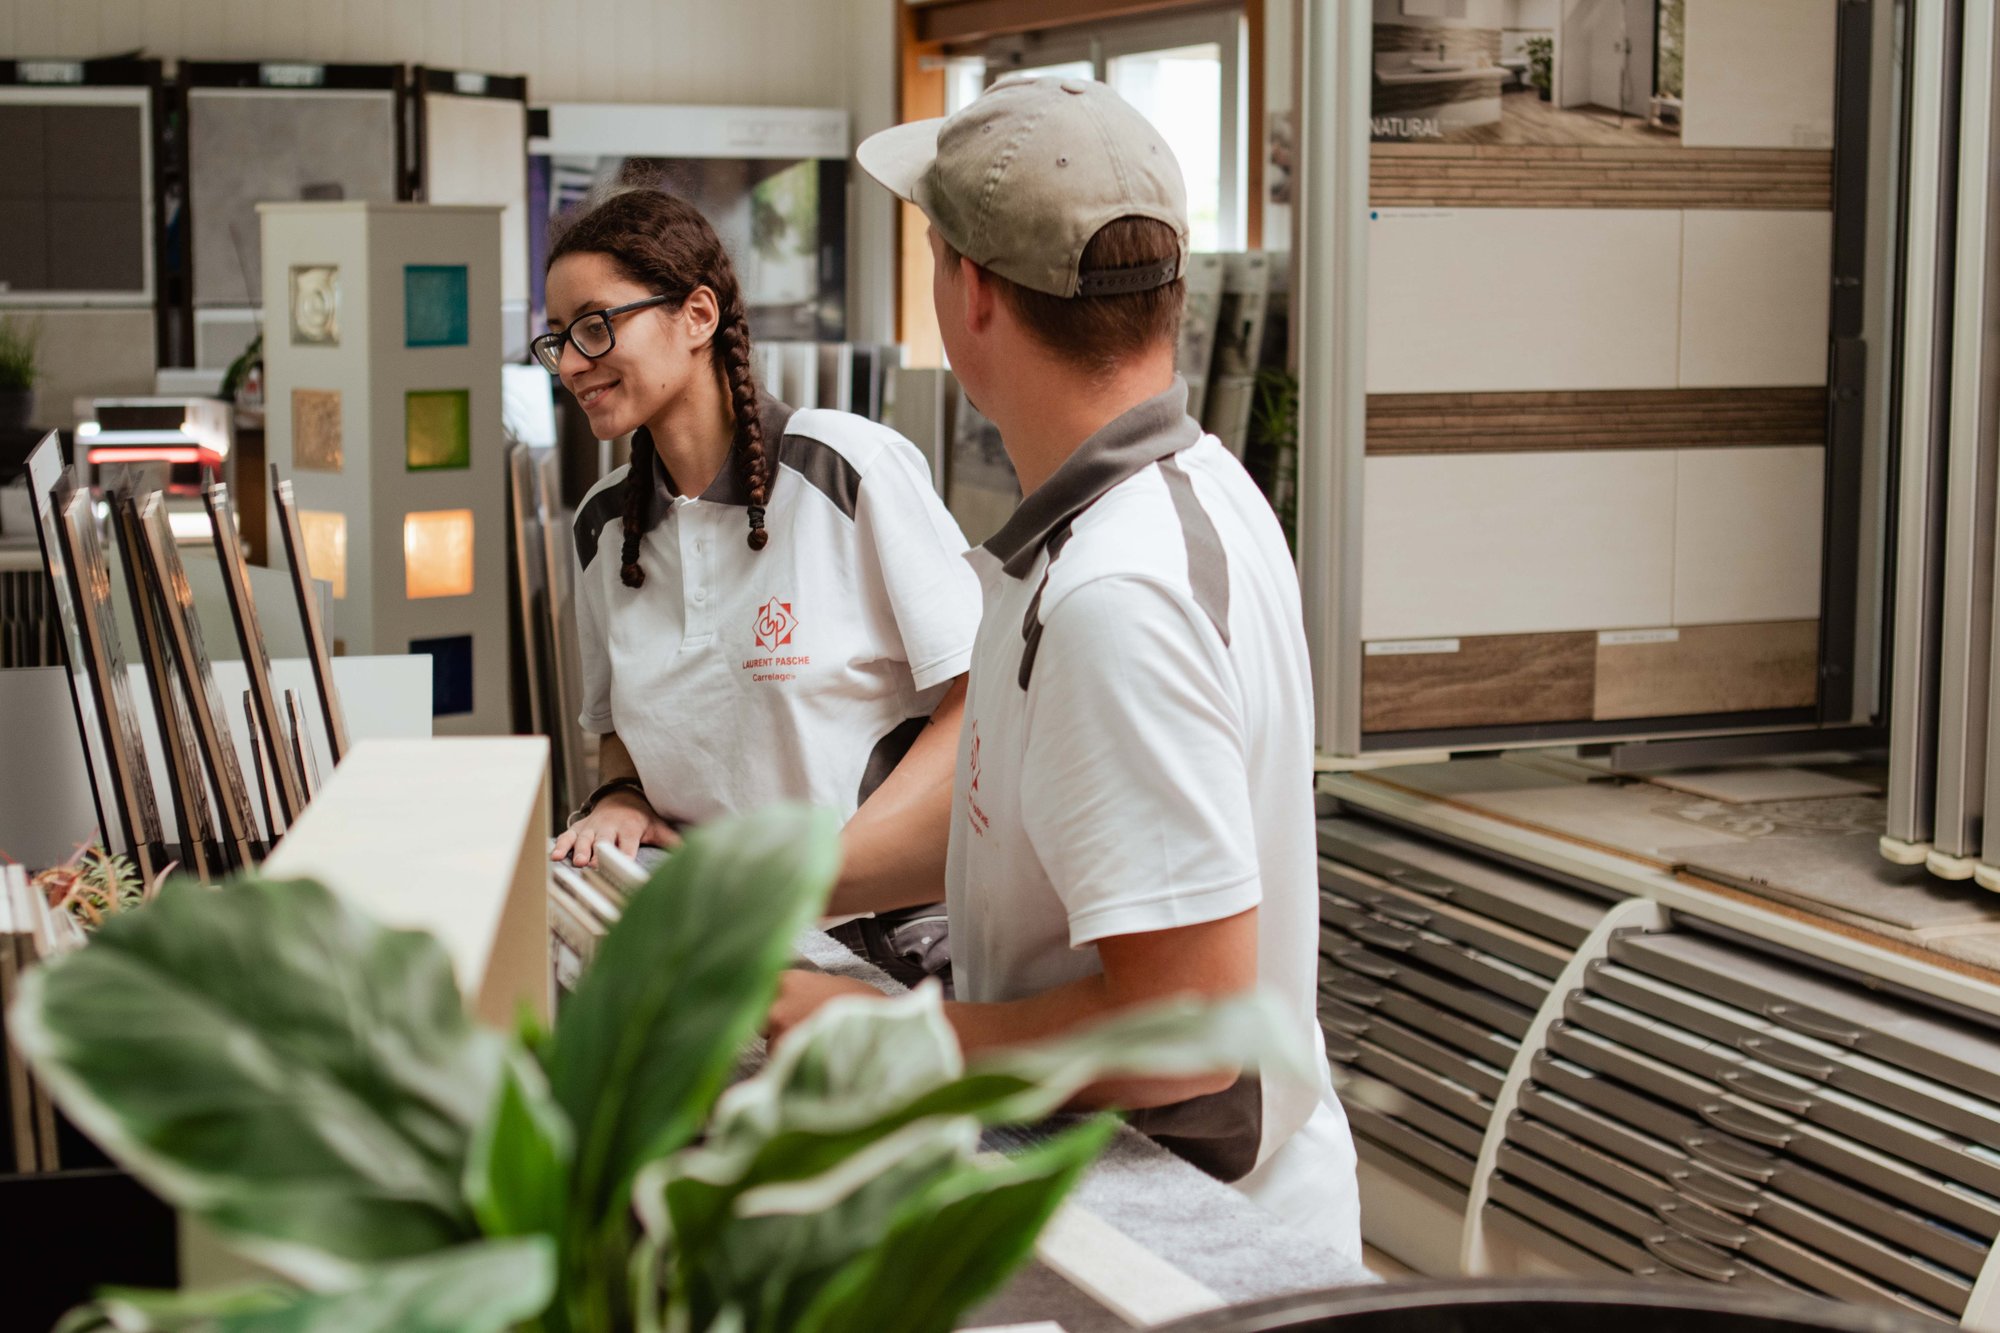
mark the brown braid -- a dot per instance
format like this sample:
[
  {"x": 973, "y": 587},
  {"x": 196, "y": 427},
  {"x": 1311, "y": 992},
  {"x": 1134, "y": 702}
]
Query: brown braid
[{"x": 666, "y": 245}]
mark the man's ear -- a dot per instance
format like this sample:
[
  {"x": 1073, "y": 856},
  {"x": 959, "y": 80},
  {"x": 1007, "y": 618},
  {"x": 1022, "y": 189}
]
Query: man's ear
[{"x": 982, "y": 297}]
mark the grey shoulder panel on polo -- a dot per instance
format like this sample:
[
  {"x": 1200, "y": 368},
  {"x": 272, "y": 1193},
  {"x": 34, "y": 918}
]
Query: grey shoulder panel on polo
[
  {"x": 1208, "y": 562},
  {"x": 825, "y": 468}
]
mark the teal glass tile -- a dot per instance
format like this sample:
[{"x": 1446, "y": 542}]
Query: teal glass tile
[{"x": 435, "y": 305}]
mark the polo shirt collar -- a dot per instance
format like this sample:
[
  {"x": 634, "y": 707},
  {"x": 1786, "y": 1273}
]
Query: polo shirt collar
[
  {"x": 730, "y": 487},
  {"x": 1129, "y": 443}
]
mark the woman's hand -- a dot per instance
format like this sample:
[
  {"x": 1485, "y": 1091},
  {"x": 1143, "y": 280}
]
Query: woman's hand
[{"x": 624, "y": 820}]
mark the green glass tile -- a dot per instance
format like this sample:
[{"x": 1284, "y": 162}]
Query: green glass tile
[
  {"x": 437, "y": 429},
  {"x": 434, "y": 305}
]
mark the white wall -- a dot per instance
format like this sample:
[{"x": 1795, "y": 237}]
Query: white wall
[{"x": 835, "y": 53}]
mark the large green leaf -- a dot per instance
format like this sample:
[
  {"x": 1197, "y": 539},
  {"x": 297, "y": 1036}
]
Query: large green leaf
[
  {"x": 683, "y": 980},
  {"x": 297, "y": 1075},
  {"x": 517, "y": 1175},
  {"x": 481, "y": 1288},
  {"x": 955, "y": 1243}
]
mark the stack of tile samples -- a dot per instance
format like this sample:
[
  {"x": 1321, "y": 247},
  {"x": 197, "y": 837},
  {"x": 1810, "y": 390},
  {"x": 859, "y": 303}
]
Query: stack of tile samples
[
  {"x": 1708, "y": 1109},
  {"x": 1433, "y": 963},
  {"x": 29, "y": 932}
]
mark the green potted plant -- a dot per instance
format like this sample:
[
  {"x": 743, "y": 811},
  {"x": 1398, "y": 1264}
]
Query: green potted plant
[
  {"x": 307, "y": 1084},
  {"x": 1274, "y": 447},
  {"x": 18, "y": 373},
  {"x": 1541, "y": 64}
]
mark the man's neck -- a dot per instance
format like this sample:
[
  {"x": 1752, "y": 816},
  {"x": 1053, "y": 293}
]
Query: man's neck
[
  {"x": 693, "y": 435},
  {"x": 1044, "y": 426}
]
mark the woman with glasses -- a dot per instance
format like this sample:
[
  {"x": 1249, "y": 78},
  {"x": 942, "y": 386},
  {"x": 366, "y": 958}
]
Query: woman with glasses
[{"x": 771, "y": 603}]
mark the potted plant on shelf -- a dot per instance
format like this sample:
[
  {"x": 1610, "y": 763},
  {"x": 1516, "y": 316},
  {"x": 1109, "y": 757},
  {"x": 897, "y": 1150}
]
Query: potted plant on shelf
[
  {"x": 18, "y": 372},
  {"x": 307, "y": 1084},
  {"x": 1541, "y": 64}
]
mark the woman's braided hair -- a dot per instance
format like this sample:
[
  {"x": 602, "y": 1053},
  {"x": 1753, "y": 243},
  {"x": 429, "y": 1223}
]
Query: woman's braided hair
[{"x": 665, "y": 245}]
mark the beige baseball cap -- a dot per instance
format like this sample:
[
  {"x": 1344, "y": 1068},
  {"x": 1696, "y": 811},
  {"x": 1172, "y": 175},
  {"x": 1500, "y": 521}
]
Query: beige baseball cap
[{"x": 1020, "y": 181}]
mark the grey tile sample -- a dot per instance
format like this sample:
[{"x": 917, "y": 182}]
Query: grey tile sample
[{"x": 1846, "y": 873}]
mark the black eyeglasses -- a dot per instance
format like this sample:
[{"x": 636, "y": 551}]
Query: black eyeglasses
[{"x": 590, "y": 334}]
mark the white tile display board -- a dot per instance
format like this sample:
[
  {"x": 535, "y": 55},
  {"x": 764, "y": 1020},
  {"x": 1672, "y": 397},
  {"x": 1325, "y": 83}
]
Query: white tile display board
[
  {"x": 1755, "y": 289},
  {"x": 1759, "y": 75},
  {"x": 373, "y": 366},
  {"x": 1747, "y": 535}
]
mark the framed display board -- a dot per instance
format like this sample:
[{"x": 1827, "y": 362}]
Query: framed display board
[
  {"x": 1597, "y": 418},
  {"x": 772, "y": 180}
]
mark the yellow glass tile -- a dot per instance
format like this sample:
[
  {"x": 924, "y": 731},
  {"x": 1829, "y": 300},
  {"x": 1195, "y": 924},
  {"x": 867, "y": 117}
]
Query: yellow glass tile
[
  {"x": 437, "y": 553},
  {"x": 325, "y": 536}
]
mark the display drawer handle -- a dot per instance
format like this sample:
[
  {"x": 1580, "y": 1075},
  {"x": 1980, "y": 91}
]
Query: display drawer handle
[
  {"x": 1345, "y": 1052},
  {"x": 1767, "y": 1091},
  {"x": 1356, "y": 1026},
  {"x": 1771, "y": 1053},
  {"x": 1352, "y": 991},
  {"x": 1814, "y": 1024},
  {"x": 1702, "y": 1225},
  {"x": 1734, "y": 1120},
  {"x": 1690, "y": 1257},
  {"x": 1369, "y": 964},
  {"x": 1423, "y": 881},
  {"x": 1382, "y": 935},
  {"x": 1738, "y": 1159},
  {"x": 1716, "y": 1191},
  {"x": 1407, "y": 913}
]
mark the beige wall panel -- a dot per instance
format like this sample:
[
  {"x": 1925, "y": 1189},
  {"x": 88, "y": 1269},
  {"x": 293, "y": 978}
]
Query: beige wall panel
[
  {"x": 1747, "y": 535},
  {"x": 1710, "y": 669},
  {"x": 1759, "y": 74},
  {"x": 1499, "y": 299},
  {"x": 1754, "y": 293},
  {"x": 1517, "y": 543}
]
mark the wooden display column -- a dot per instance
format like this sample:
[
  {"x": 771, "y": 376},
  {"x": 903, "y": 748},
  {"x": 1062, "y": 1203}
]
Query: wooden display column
[{"x": 382, "y": 354}]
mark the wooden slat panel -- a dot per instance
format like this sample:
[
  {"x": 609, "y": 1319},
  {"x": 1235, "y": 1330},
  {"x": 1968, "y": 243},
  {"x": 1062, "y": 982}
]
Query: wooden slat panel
[
  {"x": 1711, "y": 669},
  {"x": 976, "y": 20},
  {"x": 1426, "y": 423},
  {"x": 1544, "y": 176},
  {"x": 1494, "y": 680}
]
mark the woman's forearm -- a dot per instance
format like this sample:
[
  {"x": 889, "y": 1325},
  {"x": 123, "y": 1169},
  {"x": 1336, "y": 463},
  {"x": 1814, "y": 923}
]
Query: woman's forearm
[{"x": 893, "y": 849}]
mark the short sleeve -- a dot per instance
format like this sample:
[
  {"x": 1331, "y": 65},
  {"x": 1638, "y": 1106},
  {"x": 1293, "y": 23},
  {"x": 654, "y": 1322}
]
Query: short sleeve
[
  {"x": 593, "y": 648},
  {"x": 916, "y": 556},
  {"x": 1137, "y": 795}
]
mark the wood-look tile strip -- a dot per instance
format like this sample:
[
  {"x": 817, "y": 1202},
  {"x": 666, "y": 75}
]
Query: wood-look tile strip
[
  {"x": 1492, "y": 680},
  {"x": 1438, "y": 423},
  {"x": 1545, "y": 176}
]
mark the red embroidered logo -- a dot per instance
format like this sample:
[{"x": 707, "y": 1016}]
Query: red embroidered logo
[
  {"x": 975, "y": 757},
  {"x": 973, "y": 814},
  {"x": 775, "y": 623}
]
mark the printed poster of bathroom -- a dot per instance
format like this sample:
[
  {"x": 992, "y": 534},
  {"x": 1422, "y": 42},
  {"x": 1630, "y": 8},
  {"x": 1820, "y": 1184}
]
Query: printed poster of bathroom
[{"x": 1590, "y": 73}]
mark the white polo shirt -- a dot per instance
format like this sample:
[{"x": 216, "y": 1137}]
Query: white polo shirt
[
  {"x": 1137, "y": 755},
  {"x": 801, "y": 672}
]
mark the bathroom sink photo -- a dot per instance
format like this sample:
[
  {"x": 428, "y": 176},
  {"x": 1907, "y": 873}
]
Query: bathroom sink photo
[{"x": 1436, "y": 64}]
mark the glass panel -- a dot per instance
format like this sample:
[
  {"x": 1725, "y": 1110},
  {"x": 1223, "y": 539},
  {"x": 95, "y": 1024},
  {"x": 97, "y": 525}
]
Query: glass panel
[
  {"x": 437, "y": 554},
  {"x": 1180, "y": 91},
  {"x": 315, "y": 304},
  {"x": 435, "y": 305},
  {"x": 451, "y": 672},
  {"x": 325, "y": 536},
  {"x": 964, "y": 80},
  {"x": 437, "y": 429}
]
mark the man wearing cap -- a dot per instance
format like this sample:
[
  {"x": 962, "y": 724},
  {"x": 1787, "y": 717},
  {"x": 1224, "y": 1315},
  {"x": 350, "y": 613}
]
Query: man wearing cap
[{"x": 1132, "y": 816}]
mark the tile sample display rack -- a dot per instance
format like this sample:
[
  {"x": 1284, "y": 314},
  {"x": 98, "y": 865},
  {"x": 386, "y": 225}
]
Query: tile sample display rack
[
  {"x": 405, "y": 513},
  {"x": 1604, "y": 1069},
  {"x": 1944, "y": 755},
  {"x": 1550, "y": 519}
]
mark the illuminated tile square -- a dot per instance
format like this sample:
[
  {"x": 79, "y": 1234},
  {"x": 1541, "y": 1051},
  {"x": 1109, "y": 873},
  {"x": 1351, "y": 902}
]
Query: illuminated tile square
[
  {"x": 437, "y": 429},
  {"x": 437, "y": 553},
  {"x": 434, "y": 305},
  {"x": 325, "y": 536},
  {"x": 451, "y": 672},
  {"x": 315, "y": 305},
  {"x": 316, "y": 442}
]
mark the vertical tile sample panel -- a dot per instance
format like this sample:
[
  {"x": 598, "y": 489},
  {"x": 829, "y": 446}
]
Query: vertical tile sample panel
[
  {"x": 1758, "y": 75},
  {"x": 316, "y": 442},
  {"x": 1747, "y": 535},
  {"x": 437, "y": 429},
  {"x": 434, "y": 305},
  {"x": 451, "y": 672},
  {"x": 90, "y": 354},
  {"x": 476, "y": 153},
  {"x": 437, "y": 554},
  {"x": 1708, "y": 669},
  {"x": 1755, "y": 288},
  {"x": 1478, "y": 682},
  {"x": 1516, "y": 543},
  {"x": 1517, "y": 299}
]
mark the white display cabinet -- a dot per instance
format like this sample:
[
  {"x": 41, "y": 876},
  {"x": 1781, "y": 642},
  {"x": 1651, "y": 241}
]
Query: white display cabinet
[{"x": 382, "y": 357}]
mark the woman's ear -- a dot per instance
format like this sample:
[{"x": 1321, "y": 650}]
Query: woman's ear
[{"x": 702, "y": 313}]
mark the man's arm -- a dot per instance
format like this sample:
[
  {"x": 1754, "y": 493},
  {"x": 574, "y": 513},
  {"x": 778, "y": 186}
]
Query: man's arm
[
  {"x": 893, "y": 849},
  {"x": 1213, "y": 960}
]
